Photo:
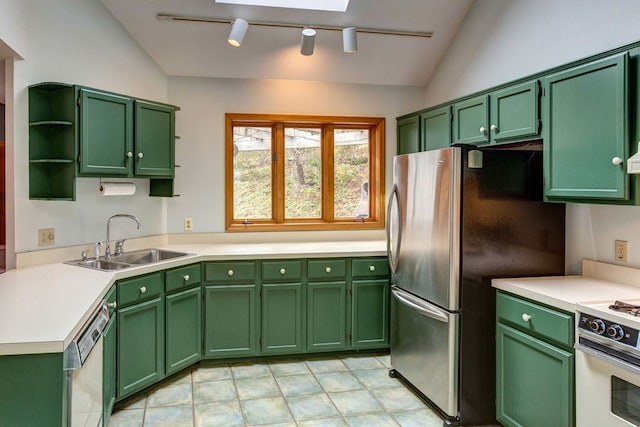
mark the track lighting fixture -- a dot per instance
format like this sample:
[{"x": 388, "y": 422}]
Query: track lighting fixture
[
  {"x": 308, "y": 41},
  {"x": 238, "y": 30},
  {"x": 349, "y": 40}
]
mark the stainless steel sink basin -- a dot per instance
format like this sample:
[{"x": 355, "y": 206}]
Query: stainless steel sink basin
[
  {"x": 147, "y": 256},
  {"x": 128, "y": 259}
]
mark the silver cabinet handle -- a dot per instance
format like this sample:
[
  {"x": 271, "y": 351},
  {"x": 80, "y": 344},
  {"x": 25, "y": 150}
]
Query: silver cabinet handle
[
  {"x": 616, "y": 161},
  {"x": 113, "y": 305},
  {"x": 283, "y": 271},
  {"x": 140, "y": 155},
  {"x": 230, "y": 273},
  {"x": 129, "y": 154},
  {"x": 372, "y": 268},
  {"x": 328, "y": 269},
  {"x": 143, "y": 289},
  {"x": 186, "y": 277},
  {"x": 483, "y": 130},
  {"x": 526, "y": 317},
  {"x": 494, "y": 128}
]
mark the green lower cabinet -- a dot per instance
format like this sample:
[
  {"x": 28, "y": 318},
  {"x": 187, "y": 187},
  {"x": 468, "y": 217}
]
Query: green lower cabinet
[
  {"x": 140, "y": 346},
  {"x": 534, "y": 381},
  {"x": 282, "y": 318},
  {"x": 230, "y": 317},
  {"x": 326, "y": 316},
  {"x": 370, "y": 313},
  {"x": 184, "y": 329},
  {"x": 108, "y": 370}
]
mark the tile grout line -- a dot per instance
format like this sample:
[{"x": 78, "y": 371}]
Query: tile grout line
[{"x": 282, "y": 394}]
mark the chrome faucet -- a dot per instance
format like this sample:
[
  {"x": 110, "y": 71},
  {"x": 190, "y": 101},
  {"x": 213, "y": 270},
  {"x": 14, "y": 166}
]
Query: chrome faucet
[{"x": 107, "y": 251}]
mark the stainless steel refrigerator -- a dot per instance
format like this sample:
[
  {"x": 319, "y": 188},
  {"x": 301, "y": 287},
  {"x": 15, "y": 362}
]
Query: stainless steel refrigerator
[{"x": 457, "y": 218}]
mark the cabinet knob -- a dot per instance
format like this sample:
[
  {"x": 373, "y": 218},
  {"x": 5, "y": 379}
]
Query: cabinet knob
[
  {"x": 186, "y": 277},
  {"x": 372, "y": 268},
  {"x": 230, "y": 273},
  {"x": 140, "y": 155},
  {"x": 328, "y": 269},
  {"x": 616, "y": 161},
  {"x": 283, "y": 271},
  {"x": 483, "y": 130},
  {"x": 526, "y": 317},
  {"x": 143, "y": 289},
  {"x": 112, "y": 305},
  {"x": 129, "y": 154},
  {"x": 494, "y": 128}
]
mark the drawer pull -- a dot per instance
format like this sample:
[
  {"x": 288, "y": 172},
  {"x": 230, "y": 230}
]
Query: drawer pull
[
  {"x": 230, "y": 273},
  {"x": 372, "y": 268},
  {"x": 526, "y": 317},
  {"x": 112, "y": 305},
  {"x": 186, "y": 277},
  {"x": 328, "y": 269},
  {"x": 143, "y": 289},
  {"x": 283, "y": 271}
]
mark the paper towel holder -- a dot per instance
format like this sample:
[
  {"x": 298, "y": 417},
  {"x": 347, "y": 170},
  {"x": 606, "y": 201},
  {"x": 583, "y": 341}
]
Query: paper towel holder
[{"x": 119, "y": 188}]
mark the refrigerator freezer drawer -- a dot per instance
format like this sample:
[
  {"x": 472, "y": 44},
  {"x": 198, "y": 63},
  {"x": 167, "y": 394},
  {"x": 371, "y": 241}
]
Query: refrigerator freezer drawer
[{"x": 424, "y": 340}]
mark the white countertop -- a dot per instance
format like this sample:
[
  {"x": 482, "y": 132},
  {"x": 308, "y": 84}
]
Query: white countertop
[
  {"x": 599, "y": 282},
  {"x": 42, "y": 308}
]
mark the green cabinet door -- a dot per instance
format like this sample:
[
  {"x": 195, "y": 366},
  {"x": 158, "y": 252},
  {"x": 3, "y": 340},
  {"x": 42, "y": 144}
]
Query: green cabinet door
[
  {"x": 184, "y": 329},
  {"x": 408, "y": 134},
  {"x": 436, "y": 128},
  {"x": 326, "y": 316},
  {"x": 230, "y": 320},
  {"x": 108, "y": 370},
  {"x": 534, "y": 381},
  {"x": 470, "y": 121},
  {"x": 140, "y": 346},
  {"x": 370, "y": 313},
  {"x": 514, "y": 112},
  {"x": 154, "y": 139},
  {"x": 282, "y": 318},
  {"x": 586, "y": 120},
  {"x": 106, "y": 133}
]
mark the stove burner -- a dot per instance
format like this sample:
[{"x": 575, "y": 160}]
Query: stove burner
[{"x": 625, "y": 307}]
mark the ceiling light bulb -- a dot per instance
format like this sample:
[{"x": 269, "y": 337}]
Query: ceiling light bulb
[
  {"x": 349, "y": 40},
  {"x": 238, "y": 30},
  {"x": 308, "y": 41}
]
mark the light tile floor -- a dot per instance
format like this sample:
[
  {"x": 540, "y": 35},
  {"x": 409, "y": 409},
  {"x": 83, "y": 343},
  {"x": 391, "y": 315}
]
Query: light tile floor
[{"x": 316, "y": 392}]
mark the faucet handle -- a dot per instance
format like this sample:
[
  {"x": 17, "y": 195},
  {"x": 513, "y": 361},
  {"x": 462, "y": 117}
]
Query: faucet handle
[
  {"x": 119, "y": 246},
  {"x": 84, "y": 255}
]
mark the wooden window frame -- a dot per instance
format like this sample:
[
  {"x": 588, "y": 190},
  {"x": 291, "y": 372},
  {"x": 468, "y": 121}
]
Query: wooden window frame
[{"x": 277, "y": 123}]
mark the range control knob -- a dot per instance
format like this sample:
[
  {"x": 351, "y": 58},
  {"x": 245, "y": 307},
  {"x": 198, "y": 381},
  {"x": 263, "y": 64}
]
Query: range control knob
[
  {"x": 616, "y": 332},
  {"x": 597, "y": 326}
]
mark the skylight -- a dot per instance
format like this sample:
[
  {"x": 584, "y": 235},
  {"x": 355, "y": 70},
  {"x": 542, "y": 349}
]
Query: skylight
[{"x": 326, "y": 5}]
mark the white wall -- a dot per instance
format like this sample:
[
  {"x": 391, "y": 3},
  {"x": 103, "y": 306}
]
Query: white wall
[
  {"x": 80, "y": 42},
  {"x": 200, "y": 124},
  {"x": 502, "y": 40}
]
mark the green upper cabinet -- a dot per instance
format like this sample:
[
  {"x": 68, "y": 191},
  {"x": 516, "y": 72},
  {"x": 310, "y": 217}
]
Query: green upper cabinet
[
  {"x": 514, "y": 112},
  {"x": 586, "y": 131},
  {"x": 436, "y": 128},
  {"x": 408, "y": 134},
  {"x": 154, "y": 139},
  {"x": 106, "y": 133},
  {"x": 470, "y": 121}
]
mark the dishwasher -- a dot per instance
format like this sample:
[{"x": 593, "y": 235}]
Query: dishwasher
[{"x": 83, "y": 368}]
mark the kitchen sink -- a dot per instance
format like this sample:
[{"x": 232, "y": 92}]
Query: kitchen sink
[{"x": 128, "y": 259}]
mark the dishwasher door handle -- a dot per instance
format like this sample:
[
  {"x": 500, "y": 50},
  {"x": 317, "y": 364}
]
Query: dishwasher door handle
[{"x": 421, "y": 306}]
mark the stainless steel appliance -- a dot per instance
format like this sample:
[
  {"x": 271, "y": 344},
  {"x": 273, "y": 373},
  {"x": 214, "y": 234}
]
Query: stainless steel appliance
[
  {"x": 457, "y": 218},
  {"x": 608, "y": 364},
  {"x": 83, "y": 366}
]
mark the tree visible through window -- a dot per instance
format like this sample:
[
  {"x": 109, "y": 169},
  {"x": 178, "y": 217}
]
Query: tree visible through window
[{"x": 304, "y": 172}]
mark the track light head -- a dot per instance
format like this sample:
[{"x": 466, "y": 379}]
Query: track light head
[
  {"x": 238, "y": 30},
  {"x": 350, "y": 40},
  {"x": 308, "y": 41}
]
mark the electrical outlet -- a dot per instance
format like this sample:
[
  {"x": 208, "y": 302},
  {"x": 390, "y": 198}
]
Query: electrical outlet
[
  {"x": 46, "y": 237},
  {"x": 188, "y": 224},
  {"x": 622, "y": 250}
]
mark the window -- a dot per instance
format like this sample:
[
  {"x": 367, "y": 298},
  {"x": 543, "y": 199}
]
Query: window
[{"x": 304, "y": 172}]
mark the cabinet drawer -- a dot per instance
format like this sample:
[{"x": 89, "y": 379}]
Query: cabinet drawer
[
  {"x": 375, "y": 267},
  {"x": 139, "y": 288},
  {"x": 182, "y": 277},
  {"x": 327, "y": 269},
  {"x": 281, "y": 270},
  {"x": 535, "y": 319},
  {"x": 230, "y": 271}
]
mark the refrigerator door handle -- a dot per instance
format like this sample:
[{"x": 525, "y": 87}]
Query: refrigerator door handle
[
  {"x": 392, "y": 252},
  {"x": 420, "y": 306}
]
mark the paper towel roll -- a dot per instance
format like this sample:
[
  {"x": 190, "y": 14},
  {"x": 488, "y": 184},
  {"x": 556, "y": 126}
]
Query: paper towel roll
[{"x": 117, "y": 188}]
